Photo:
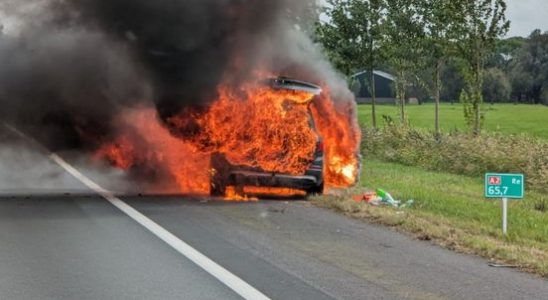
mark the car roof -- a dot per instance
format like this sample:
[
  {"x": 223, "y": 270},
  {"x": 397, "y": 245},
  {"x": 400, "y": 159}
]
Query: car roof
[{"x": 296, "y": 85}]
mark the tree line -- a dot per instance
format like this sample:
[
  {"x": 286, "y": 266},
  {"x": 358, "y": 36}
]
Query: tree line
[
  {"x": 517, "y": 72},
  {"x": 434, "y": 45}
]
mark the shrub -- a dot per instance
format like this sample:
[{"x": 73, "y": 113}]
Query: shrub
[{"x": 461, "y": 153}]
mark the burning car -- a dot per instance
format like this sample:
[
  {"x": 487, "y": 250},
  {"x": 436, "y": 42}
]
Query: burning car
[
  {"x": 279, "y": 137},
  {"x": 246, "y": 180},
  {"x": 174, "y": 95}
]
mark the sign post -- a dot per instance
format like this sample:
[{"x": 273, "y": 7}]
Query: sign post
[
  {"x": 504, "y": 216},
  {"x": 505, "y": 186}
]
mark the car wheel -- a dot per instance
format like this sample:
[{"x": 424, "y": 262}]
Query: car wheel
[{"x": 317, "y": 190}]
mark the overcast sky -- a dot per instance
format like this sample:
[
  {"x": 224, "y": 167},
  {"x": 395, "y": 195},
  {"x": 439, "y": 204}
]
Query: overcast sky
[{"x": 527, "y": 15}]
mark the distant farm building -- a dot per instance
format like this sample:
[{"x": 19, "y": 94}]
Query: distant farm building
[{"x": 383, "y": 87}]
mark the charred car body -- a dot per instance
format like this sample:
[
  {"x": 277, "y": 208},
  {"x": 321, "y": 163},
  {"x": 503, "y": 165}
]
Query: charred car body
[{"x": 224, "y": 174}]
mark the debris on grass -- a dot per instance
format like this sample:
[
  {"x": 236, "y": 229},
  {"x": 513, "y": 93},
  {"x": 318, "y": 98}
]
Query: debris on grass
[
  {"x": 381, "y": 197},
  {"x": 369, "y": 197}
]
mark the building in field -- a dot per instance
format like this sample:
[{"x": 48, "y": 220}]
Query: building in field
[{"x": 384, "y": 83}]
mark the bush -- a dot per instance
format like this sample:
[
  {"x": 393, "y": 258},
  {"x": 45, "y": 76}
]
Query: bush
[{"x": 461, "y": 153}]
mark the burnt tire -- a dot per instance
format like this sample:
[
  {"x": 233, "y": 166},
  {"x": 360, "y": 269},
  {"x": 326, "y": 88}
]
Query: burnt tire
[
  {"x": 317, "y": 190},
  {"x": 217, "y": 189}
]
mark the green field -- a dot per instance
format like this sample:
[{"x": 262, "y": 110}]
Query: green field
[{"x": 505, "y": 118}]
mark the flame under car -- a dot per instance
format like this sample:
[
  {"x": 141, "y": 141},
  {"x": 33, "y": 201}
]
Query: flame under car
[{"x": 242, "y": 180}]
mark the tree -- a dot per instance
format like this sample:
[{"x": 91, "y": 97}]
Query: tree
[
  {"x": 351, "y": 37},
  {"x": 436, "y": 16},
  {"x": 496, "y": 86},
  {"x": 479, "y": 23},
  {"x": 404, "y": 36},
  {"x": 453, "y": 81},
  {"x": 506, "y": 51},
  {"x": 529, "y": 69}
]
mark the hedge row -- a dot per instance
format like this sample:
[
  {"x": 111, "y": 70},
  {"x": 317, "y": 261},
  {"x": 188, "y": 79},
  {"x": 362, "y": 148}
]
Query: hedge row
[{"x": 461, "y": 153}]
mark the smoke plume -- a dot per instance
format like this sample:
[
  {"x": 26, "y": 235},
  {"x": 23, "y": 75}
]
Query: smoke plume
[
  {"x": 72, "y": 65},
  {"x": 69, "y": 67}
]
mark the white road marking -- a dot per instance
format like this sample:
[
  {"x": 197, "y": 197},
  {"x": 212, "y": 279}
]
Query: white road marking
[{"x": 235, "y": 283}]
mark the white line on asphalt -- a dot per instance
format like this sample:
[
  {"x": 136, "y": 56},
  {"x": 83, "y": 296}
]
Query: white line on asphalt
[{"x": 235, "y": 283}]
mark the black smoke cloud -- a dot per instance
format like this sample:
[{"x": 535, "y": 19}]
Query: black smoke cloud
[
  {"x": 186, "y": 46},
  {"x": 72, "y": 65},
  {"x": 61, "y": 85}
]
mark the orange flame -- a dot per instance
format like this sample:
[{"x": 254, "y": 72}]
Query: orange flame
[
  {"x": 235, "y": 196},
  {"x": 281, "y": 192},
  {"x": 258, "y": 127},
  {"x": 252, "y": 125},
  {"x": 340, "y": 130},
  {"x": 146, "y": 142}
]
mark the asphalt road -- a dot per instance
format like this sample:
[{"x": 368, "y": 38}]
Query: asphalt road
[
  {"x": 84, "y": 248},
  {"x": 67, "y": 246}
]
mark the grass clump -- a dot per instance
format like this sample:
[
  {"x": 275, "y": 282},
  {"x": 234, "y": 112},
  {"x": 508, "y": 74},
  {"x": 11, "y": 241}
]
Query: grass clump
[{"x": 461, "y": 153}]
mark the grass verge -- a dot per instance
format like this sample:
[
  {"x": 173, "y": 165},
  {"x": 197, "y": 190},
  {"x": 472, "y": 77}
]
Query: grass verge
[{"x": 450, "y": 211}]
